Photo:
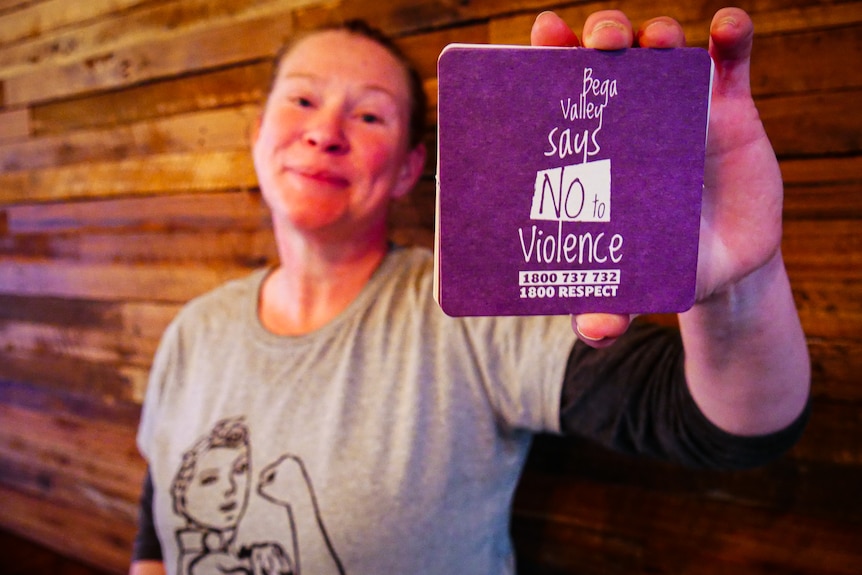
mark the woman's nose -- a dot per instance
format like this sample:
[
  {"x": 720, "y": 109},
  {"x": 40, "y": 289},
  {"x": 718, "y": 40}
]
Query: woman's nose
[{"x": 326, "y": 132}]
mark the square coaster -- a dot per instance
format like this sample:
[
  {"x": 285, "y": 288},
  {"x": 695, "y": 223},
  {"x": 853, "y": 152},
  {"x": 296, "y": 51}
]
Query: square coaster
[{"x": 569, "y": 180}]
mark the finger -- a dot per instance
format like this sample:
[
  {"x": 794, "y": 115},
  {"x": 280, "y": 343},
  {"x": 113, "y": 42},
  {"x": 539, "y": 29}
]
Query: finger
[
  {"x": 730, "y": 38},
  {"x": 662, "y": 32},
  {"x": 550, "y": 30},
  {"x": 600, "y": 329},
  {"x": 257, "y": 562},
  {"x": 608, "y": 30}
]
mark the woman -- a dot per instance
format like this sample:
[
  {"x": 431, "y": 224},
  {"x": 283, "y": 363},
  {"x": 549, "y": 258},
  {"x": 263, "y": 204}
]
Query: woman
[{"x": 411, "y": 428}]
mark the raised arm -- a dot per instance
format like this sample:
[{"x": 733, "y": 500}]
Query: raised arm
[{"x": 747, "y": 363}]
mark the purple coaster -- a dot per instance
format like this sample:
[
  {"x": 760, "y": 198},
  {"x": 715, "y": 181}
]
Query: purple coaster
[{"x": 569, "y": 180}]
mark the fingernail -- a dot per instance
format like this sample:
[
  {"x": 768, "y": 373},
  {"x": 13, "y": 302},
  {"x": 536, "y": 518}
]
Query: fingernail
[
  {"x": 659, "y": 25},
  {"x": 607, "y": 28},
  {"x": 608, "y": 24},
  {"x": 582, "y": 335},
  {"x": 728, "y": 21},
  {"x": 542, "y": 15}
]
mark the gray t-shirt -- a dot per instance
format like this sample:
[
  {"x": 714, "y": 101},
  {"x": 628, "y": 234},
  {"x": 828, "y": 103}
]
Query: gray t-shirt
[{"x": 388, "y": 441}]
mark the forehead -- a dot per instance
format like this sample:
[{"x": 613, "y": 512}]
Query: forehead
[
  {"x": 222, "y": 453},
  {"x": 344, "y": 56}
]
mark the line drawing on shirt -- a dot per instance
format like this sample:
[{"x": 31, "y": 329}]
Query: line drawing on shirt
[
  {"x": 286, "y": 483},
  {"x": 211, "y": 492}
]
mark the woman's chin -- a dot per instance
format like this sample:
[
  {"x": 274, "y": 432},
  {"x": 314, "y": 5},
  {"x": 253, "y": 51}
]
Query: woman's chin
[{"x": 317, "y": 216}]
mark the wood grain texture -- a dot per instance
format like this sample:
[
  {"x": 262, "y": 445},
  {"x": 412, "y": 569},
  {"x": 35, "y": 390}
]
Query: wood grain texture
[
  {"x": 14, "y": 125},
  {"x": 126, "y": 188}
]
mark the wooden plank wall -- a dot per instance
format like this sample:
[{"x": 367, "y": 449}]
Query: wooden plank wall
[{"x": 126, "y": 188}]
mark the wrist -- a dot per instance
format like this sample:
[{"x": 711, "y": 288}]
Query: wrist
[
  {"x": 747, "y": 361},
  {"x": 748, "y": 297}
]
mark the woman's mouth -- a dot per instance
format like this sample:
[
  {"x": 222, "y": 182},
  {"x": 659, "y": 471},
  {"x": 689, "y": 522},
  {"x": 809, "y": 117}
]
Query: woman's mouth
[{"x": 323, "y": 177}]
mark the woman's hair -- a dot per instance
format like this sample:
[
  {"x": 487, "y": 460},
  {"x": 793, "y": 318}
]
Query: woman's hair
[{"x": 418, "y": 99}]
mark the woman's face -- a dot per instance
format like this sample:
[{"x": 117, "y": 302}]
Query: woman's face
[
  {"x": 218, "y": 492},
  {"x": 331, "y": 149}
]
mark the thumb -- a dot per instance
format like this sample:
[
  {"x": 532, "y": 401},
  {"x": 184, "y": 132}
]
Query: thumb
[
  {"x": 730, "y": 40},
  {"x": 600, "y": 329}
]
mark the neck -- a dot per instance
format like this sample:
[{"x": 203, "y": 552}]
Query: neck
[{"x": 317, "y": 279}]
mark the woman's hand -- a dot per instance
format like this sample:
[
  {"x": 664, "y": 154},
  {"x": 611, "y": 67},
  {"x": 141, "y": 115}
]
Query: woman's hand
[{"x": 741, "y": 215}]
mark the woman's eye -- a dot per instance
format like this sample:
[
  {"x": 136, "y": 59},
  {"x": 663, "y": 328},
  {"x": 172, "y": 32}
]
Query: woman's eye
[
  {"x": 302, "y": 102},
  {"x": 208, "y": 478},
  {"x": 369, "y": 118}
]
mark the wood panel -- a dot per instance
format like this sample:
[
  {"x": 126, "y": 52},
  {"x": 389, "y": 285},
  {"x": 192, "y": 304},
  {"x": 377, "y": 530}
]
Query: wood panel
[
  {"x": 207, "y": 130},
  {"x": 656, "y": 532},
  {"x": 92, "y": 537},
  {"x": 20, "y": 556},
  {"x": 96, "y": 464},
  {"x": 14, "y": 125},
  {"x": 126, "y": 188},
  {"x": 217, "y": 210},
  {"x": 143, "y": 21},
  {"x": 221, "y": 88},
  {"x": 134, "y": 65},
  {"x": 166, "y": 173},
  {"x": 37, "y": 19}
]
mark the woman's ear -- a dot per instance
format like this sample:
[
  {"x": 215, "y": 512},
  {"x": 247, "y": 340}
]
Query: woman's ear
[{"x": 411, "y": 171}]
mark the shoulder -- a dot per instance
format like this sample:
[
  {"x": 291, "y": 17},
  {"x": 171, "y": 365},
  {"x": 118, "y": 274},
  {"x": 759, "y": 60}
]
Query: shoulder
[
  {"x": 406, "y": 275},
  {"x": 200, "y": 326},
  {"x": 229, "y": 303}
]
